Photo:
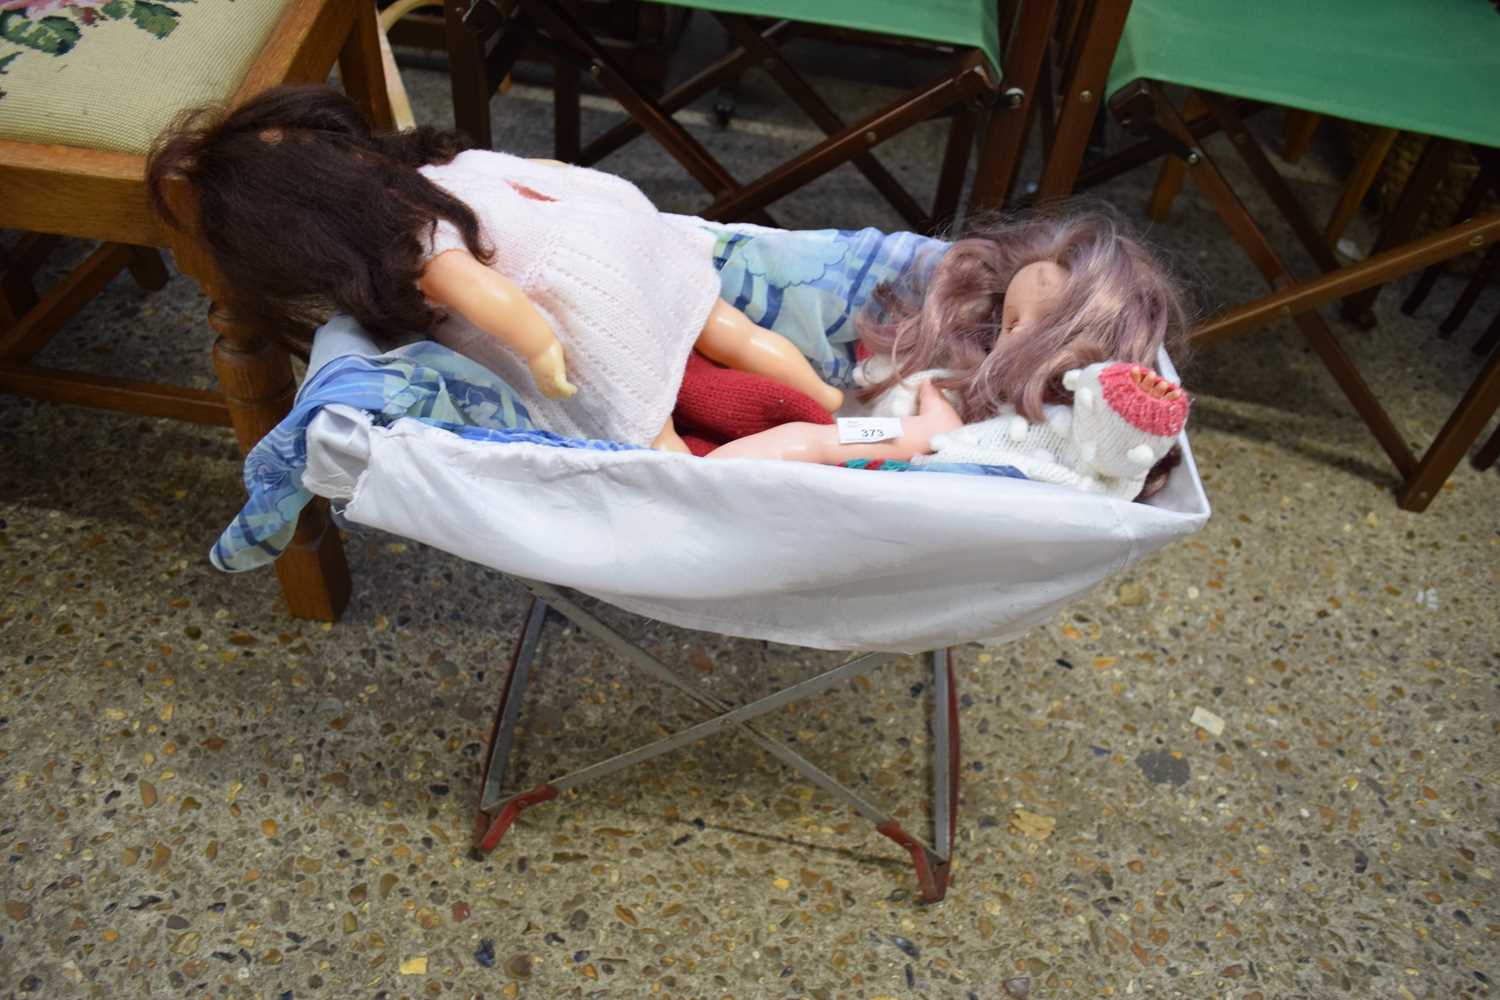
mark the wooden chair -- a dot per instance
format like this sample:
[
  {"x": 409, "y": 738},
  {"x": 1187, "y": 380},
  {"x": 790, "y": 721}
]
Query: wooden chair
[
  {"x": 72, "y": 162},
  {"x": 975, "y": 39},
  {"x": 1429, "y": 69}
]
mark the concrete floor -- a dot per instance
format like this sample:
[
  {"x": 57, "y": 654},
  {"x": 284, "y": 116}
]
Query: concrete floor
[{"x": 200, "y": 797}]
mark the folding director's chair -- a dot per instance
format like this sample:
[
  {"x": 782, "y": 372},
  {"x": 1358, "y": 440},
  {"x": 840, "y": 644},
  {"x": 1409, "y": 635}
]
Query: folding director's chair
[
  {"x": 499, "y": 808},
  {"x": 969, "y": 35},
  {"x": 1432, "y": 68}
]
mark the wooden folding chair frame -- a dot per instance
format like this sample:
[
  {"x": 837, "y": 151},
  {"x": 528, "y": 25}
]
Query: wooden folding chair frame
[
  {"x": 967, "y": 93},
  {"x": 1091, "y": 36},
  {"x": 1145, "y": 109},
  {"x": 498, "y": 809}
]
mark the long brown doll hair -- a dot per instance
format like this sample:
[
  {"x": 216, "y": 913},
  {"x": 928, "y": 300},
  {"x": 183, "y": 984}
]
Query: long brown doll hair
[{"x": 304, "y": 209}]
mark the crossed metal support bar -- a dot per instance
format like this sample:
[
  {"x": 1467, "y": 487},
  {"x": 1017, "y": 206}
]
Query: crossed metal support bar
[{"x": 498, "y": 808}]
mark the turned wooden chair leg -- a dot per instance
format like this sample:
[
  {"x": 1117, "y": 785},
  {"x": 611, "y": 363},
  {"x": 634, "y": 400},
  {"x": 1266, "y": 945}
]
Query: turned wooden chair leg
[
  {"x": 255, "y": 375},
  {"x": 147, "y": 268}
]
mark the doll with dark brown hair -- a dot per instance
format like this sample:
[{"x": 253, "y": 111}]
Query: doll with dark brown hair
[{"x": 560, "y": 275}]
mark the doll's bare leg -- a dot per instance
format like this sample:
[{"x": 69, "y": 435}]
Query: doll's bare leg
[
  {"x": 731, "y": 339},
  {"x": 669, "y": 440},
  {"x": 802, "y": 442}
]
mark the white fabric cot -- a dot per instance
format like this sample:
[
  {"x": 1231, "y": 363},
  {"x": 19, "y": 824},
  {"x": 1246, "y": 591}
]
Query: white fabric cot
[
  {"x": 832, "y": 558},
  {"x": 810, "y": 555}
]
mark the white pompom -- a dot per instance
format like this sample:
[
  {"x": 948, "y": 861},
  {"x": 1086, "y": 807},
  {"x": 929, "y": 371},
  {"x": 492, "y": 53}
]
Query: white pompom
[
  {"x": 1141, "y": 455},
  {"x": 1084, "y": 399},
  {"x": 1071, "y": 379},
  {"x": 1017, "y": 429}
]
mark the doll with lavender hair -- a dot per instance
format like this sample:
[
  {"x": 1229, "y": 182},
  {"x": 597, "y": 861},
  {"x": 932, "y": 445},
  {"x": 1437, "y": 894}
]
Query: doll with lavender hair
[{"x": 1030, "y": 344}]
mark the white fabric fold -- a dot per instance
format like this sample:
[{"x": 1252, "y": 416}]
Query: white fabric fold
[{"x": 815, "y": 556}]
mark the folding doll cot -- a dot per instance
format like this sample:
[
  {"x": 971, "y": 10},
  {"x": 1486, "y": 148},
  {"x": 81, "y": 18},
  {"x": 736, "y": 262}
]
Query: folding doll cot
[{"x": 882, "y": 563}]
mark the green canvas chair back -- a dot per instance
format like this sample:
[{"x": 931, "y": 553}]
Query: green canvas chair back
[
  {"x": 1429, "y": 66},
  {"x": 964, "y": 23}
]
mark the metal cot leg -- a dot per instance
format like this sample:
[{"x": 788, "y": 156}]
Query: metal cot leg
[
  {"x": 489, "y": 829},
  {"x": 933, "y": 864}
]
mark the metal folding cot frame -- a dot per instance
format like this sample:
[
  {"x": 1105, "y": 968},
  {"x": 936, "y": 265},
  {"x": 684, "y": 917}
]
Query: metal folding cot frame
[{"x": 499, "y": 808}]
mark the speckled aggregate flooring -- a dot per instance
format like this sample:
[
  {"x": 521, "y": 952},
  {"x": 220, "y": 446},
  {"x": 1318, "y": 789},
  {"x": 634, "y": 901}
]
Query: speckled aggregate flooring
[{"x": 201, "y": 797}]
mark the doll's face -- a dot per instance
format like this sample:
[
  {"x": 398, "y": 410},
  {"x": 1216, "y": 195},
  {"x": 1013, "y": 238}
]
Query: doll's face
[{"x": 1030, "y": 295}]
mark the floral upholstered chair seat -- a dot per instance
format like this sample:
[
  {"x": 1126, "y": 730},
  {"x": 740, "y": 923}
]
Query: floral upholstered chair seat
[{"x": 111, "y": 74}]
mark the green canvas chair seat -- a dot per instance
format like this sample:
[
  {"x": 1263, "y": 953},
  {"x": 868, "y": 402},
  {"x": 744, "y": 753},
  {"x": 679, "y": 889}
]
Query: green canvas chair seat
[
  {"x": 1428, "y": 66},
  {"x": 111, "y": 74}
]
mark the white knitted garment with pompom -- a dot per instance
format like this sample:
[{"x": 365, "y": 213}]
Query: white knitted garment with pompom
[
  {"x": 626, "y": 291},
  {"x": 1087, "y": 446}
]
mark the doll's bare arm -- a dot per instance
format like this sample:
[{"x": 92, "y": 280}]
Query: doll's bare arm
[
  {"x": 488, "y": 299},
  {"x": 819, "y": 443},
  {"x": 495, "y": 304}
]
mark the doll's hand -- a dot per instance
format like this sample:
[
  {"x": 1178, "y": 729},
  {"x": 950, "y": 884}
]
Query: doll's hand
[{"x": 549, "y": 370}]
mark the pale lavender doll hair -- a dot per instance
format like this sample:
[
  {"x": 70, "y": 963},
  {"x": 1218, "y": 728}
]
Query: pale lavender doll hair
[{"x": 1117, "y": 303}]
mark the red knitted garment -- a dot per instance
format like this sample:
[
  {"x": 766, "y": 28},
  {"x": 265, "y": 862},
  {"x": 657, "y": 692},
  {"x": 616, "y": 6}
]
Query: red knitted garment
[{"x": 717, "y": 405}]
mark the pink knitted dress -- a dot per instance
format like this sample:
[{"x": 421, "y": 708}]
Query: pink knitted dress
[{"x": 626, "y": 292}]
